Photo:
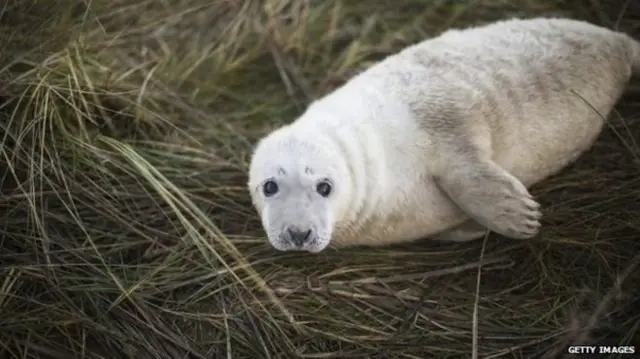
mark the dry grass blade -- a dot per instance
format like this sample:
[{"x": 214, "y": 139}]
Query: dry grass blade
[{"x": 127, "y": 231}]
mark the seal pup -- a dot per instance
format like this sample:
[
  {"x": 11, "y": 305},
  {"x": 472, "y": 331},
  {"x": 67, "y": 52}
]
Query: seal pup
[{"x": 443, "y": 138}]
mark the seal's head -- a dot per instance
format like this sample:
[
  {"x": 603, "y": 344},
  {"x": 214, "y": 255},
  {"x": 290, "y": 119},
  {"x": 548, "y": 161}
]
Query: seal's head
[{"x": 299, "y": 186}]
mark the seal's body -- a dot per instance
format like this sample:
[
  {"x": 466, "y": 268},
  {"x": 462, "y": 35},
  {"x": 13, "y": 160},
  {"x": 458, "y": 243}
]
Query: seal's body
[{"x": 443, "y": 138}]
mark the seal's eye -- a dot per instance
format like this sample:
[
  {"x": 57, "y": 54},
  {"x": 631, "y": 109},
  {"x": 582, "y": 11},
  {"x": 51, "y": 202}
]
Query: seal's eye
[
  {"x": 324, "y": 188},
  {"x": 269, "y": 188}
]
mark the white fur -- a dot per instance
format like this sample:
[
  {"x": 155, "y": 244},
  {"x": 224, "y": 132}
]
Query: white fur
[{"x": 388, "y": 134}]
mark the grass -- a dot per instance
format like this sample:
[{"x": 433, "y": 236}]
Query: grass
[{"x": 126, "y": 230}]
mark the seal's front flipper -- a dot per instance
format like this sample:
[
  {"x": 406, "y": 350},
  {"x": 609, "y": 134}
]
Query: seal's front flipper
[
  {"x": 467, "y": 231},
  {"x": 491, "y": 196}
]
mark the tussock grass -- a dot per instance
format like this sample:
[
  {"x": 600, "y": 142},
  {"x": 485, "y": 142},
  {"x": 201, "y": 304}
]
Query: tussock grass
[{"x": 126, "y": 230}]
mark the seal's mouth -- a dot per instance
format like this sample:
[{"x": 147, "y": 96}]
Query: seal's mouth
[{"x": 314, "y": 244}]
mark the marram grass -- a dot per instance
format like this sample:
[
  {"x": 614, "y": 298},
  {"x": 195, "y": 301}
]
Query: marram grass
[{"x": 127, "y": 232}]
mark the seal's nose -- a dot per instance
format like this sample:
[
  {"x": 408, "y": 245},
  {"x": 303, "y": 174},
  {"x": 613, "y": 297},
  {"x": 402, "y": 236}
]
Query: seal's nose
[{"x": 298, "y": 237}]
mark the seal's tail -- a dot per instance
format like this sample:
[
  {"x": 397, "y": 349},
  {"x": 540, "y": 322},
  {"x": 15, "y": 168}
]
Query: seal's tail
[{"x": 635, "y": 60}]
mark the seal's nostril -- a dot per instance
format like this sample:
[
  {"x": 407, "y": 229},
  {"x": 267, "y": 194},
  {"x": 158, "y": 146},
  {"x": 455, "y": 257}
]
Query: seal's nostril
[{"x": 299, "y": 237}]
